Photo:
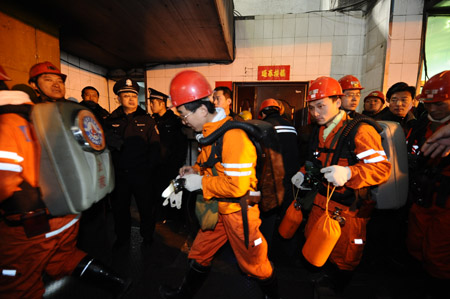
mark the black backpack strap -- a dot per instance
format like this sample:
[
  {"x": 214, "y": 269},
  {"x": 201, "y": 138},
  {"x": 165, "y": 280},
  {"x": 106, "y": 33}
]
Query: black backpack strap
[
  {"x": 23, "y": 110},
  {"x": 215, "y": 155}
]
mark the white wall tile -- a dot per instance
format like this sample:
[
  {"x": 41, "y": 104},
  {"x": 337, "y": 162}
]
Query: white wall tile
[
  {"x": 398, "y": 27},
  {"x": 312, "y": 65},
  {"x": 326, "y": 45},
  {"x": 400, "y": 7},
  {"x": 301, "y": 45},
  {"x": 315, "y": 26},
  {"x": 396, "y": 51},
  {"x": 341, "y": 24},
  {"x": 413, "y": 27},
  {"x": 327, "y": 25},
  {"x": 414, "y": 7},
  {"x": 313, "y": 47},
  {"x": 409, "y": 73},
  {"x": 289, "y": 27},
  {"x": 411, "y": 51},
  {"x": 267, "y": 48},
  {"x": 324, "y": 65},
  {"x": 259, "y": 29},
  {"x": 299, "y": 66},
  {"x": 395, "y": 74},
  {"x": 354, "y": 45},
  {"x": 277, "y": 28},
  {"x": 288, "y": 47},
  {"x": 268, "y": 28},
  {"x": 340, "y": 45},
  {"x": 301, "y": 26}
]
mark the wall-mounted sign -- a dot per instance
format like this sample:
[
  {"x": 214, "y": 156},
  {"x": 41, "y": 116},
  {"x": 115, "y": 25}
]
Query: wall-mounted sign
[{"x": 274, "y": 72}]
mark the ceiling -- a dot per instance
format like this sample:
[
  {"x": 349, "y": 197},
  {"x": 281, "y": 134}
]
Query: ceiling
[{"x": 130, "y": 34}]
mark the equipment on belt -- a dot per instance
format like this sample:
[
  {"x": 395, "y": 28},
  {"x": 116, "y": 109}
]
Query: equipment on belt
[{"x": 75, "y": 169}]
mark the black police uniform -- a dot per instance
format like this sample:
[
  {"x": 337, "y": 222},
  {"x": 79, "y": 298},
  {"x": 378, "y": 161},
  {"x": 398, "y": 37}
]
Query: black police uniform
[
  {"x": 174, "y": 146},
  {"x": 135, "y": 148},
  {"x": 100, "y": 113}
]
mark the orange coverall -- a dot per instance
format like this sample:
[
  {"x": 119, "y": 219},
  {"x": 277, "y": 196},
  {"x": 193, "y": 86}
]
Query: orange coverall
[
  {"x": 429, "y": 227},
  {"x": 373, "y": 168},
  {"x": 23, "y": 259},
  {"x": 236, "y": 176}
]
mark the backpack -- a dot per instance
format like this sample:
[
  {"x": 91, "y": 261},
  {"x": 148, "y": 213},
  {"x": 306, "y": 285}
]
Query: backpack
[
  {"x": 393, "y": 193},
  {"x": 269, "y": 165}
]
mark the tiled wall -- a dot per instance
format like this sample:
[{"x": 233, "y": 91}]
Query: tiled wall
[
  {"x": 313, "y": 44},
  {"x": 81, "y": 73},
  {"x": 404, "y": 42}
]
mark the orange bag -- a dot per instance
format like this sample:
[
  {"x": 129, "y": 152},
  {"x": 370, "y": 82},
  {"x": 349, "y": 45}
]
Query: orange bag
[
  {"x": 322, "y": 239},
  {"x": 291, "y": 220}
]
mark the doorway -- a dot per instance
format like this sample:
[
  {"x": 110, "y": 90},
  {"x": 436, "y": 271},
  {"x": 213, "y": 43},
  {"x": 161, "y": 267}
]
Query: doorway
[{"x": 292, "y": 95}]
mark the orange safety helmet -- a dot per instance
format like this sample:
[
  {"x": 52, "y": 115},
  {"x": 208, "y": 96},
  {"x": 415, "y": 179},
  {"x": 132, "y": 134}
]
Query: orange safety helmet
[
  {"x": 188, "y": 86},
  {"x": 3, "y": 75},
  {"x": 376, "y": 94},
  {"x": 269, "y": 103},
  {"x": 436, "y": 89},
  {"x": 350, "y": 82},
  {"x": 44, "y": 68},
  {"x": 323, "y": 87}
]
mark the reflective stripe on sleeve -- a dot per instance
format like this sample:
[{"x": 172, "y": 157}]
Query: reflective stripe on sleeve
[
  {"x": 10, "y": 167},
  {"x": 374, "y": 160},
  {"x": 285, "y": 129},
  {"x": 237, "y": 165},
  {"x": 61, "y": 229},
  {"x": 237, "y": 173},
  {"x": 366, "y": 154},
  {"x": 11, "y": 155}
]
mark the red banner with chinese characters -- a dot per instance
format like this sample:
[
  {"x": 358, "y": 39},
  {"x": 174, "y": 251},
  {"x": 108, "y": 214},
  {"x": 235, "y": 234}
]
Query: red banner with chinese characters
[{"x": 274, "y": 72}]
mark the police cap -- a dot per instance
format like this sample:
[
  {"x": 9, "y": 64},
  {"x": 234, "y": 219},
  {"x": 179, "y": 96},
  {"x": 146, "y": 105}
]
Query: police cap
[
  {"x": 157, "y": 95},
  {"x": 126, "y": 85}
]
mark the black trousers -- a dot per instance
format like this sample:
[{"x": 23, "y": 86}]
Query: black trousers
[{"x": 140, "y": 186}]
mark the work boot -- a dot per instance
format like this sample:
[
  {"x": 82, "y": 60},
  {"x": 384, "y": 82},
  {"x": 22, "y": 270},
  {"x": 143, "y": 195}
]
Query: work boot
[
  {"x": 192, "y": 281},
  {"x": 95, "y": 272},
  {"x": 269, "y": 287}
]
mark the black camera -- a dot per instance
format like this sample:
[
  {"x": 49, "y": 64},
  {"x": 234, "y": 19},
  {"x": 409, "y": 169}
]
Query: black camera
[{"x": 178, "y": 184}]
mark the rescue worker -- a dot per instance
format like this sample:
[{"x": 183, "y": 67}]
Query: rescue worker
[
  {"x": 368, "y": 167},
  {"x": 351, "y": 88},
  {"x": 174, "y": 146},
  {"x": 223, "y": 98},
  {"x": 429, "y": 215},
  {"x": 134, "y": 143},
  {"x": 190, "y": 93},
  {"x": 90, "y": 96},
  {"x": 33, "y": 241},
  {"x": 400, "y": 98},
  {"x": 3, "y": 77},
  {"x": 287, "y": 135},
  {"x": 374, "y": 105},
  {"x": 438, "y": 144},
  {"x": 48, "y": 82}
]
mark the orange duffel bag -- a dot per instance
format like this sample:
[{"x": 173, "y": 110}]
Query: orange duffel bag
[
  {"x": 322, "y": 239},
  {"x": 291, "y": 220}
]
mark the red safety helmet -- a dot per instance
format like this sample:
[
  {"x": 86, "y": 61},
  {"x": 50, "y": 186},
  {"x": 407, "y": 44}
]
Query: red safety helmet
[
  {"x": 188, "y": 86},
  {"x": 350, "y": 82},
  {"x": 3, "y": 75},
  {"x": 269, "y": 103},
  {"x": 436, "y": 89},
  {"x": 44, "y": 68},
  {"x": 323, "y": 87},
  {"x": 376, "y": 94}
]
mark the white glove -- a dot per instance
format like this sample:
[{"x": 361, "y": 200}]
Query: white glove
[
  {"x": 172, "y": 197},
  {"x": 297, "y": 179},
  {"x": 193, "y": 182},
  {"x": 337, "y": 175}
]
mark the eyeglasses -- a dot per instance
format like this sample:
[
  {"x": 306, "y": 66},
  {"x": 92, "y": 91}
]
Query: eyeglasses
[
  {"x": 353, "y": 95},
  {"x": 399, "y": 101},
  {"x": 184, "y": 117}
]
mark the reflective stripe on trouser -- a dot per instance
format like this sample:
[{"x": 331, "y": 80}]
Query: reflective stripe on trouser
[
  {"x": 349, "y": 249},
  {"x": 56, "y": 255},
  {"x": 252, "y": 261}
]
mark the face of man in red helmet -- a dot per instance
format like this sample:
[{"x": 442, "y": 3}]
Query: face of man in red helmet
[
  {"x": 194, "y": 119},
  {"x": 350, "y": 99},
  {"x": 438, "y": 110},
  {"x": 324, "y": 110},
  {"x": 372, "y": 104},
  {"x": 50, "y": 85}
]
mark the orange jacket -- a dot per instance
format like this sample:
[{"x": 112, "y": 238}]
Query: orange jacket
[
  {"x": 372, "y": 169},
  {"x": 236, "y": 172},
  {"x": 19, "y": 154}
]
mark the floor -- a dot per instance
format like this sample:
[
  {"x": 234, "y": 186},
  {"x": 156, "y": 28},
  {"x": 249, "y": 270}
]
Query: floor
[{"x": 165, "y": 262}]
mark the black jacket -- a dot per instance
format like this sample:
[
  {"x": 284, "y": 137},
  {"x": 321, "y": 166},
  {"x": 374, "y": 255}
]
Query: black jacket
[
  {"x": 406, "y": 122},
  {"x": 133, "y": 140},
  {"x": 100, "y": 113},
  {"x": 173, "y": 142},
  {"x": 288, "y": 143}
]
